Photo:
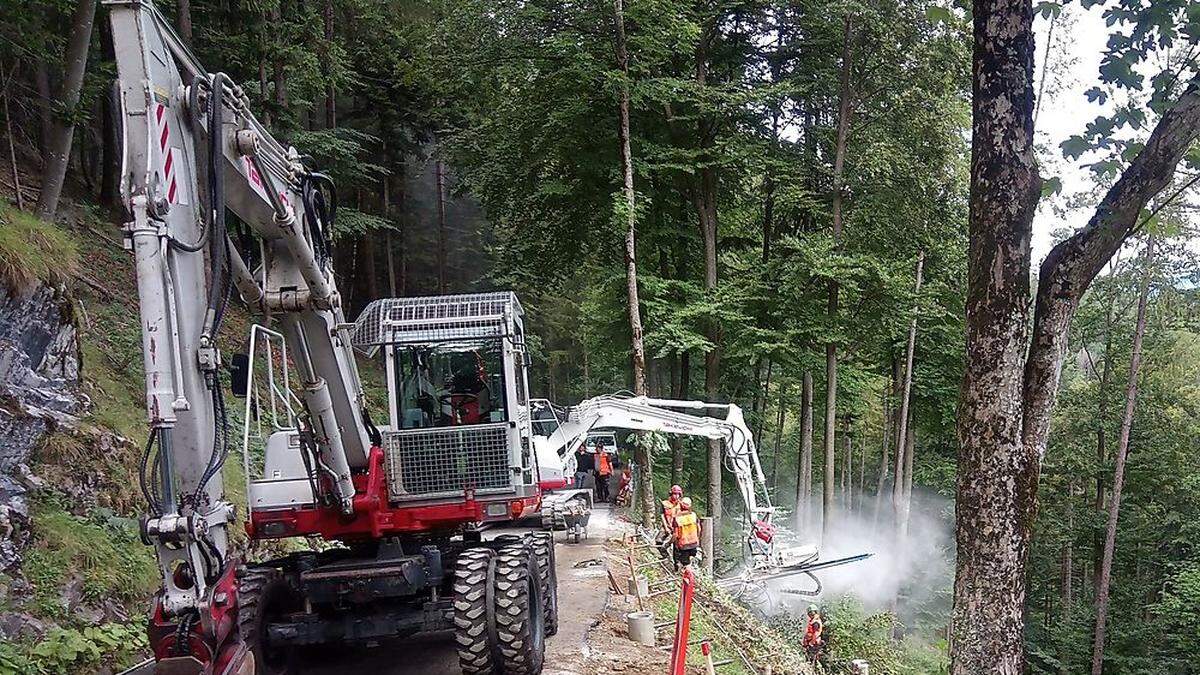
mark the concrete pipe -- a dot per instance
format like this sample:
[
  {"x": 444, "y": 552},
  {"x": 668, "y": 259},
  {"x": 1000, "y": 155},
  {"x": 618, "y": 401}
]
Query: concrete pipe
[
  {"x": 641, "y": 627},
  {"x": 638, "y": 586}
]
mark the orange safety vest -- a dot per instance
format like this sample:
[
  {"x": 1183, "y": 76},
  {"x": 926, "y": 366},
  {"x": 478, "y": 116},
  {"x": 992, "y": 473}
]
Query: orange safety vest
[
  {"x": 603, "y": 467},
  {"x": 687, "y": 529},
  {"x": 670, "y": 508},
  {"x": 813, "y": 634}
]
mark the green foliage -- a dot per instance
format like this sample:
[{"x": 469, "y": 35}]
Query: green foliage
[{"x": 71, "y": 650}]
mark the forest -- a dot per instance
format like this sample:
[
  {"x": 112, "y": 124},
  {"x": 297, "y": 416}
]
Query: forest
[{"x": 967, "y": 342}]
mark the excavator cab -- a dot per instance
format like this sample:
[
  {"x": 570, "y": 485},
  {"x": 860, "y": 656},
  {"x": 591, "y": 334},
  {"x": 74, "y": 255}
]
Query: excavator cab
[{"x": 457, "y": 408}]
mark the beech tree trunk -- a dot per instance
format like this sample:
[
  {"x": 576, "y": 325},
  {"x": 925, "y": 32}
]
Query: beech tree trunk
[
  {"x": 1102, "y": 436},
  {"x": 642, "y": 456},
  {"x": 685, "y": 380},
  {"x": 1067, "y": 583},
  {"x": 62, "y": 126},
  {"x": 910, "y": 449},
  {"x": 1012, "y": 365},
  {"x": 831, "y": 359},
  {"x": 804, "y": 477},
  {"x": 902, "y": 416},
  {"x": 766, "y": 397},
  {"x": 278, "y": 73},
  {"x": 888, "y": 414},
  {"x": 779, "y": 420},
  {"x": 1114, "y": 502},
  {"x": 439, "y": 171},
  {"x": 848, "y": 470},
  {"x": 330, "y": 89},
  {"x": 110, "y": 164},
  {"x": 184, "y": 9}
]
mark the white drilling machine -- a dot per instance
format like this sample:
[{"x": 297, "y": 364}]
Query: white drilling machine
[{"x": 402, "y": 504}]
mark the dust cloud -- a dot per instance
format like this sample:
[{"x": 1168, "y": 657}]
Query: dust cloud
[{"x": 916, "y": 575}]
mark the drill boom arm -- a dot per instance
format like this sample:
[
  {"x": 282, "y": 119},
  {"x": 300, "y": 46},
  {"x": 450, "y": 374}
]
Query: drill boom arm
[{"x": 641, "y": 413}]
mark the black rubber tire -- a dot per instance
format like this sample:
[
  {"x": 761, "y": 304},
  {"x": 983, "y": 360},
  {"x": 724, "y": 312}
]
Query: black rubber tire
[
  {"x": 264, "y": 593},
  {"x": 520, "y": 621},
  {"x": 472, "y": 635},
  {"x": 543, "y": 548}
]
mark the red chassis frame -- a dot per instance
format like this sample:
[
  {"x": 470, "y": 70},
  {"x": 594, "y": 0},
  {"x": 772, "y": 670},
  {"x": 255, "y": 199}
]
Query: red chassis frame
[{"x": 375, "y": 517}]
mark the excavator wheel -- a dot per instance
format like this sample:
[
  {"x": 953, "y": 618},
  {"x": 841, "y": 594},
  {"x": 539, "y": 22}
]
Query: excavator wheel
[
  {"x": 264, "y": 593},
  {"x": 473, "y": 637},
  {"x": 543, "y": 548},
  {"x": 520, "y": 618}
]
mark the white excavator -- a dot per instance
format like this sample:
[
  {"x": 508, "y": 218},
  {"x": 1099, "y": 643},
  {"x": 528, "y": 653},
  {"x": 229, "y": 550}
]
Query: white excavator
[
  {"x": 557, "y": 442},
  {"x": 404, "y": 503}
]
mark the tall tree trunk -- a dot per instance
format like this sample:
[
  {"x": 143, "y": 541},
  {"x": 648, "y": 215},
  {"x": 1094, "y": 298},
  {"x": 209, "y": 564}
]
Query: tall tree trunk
[
  {"x": 366, "y": 254},
  {"x": 910, "y": 448},
  {"x": 637, "y": 349},
  {"x": 862, "y": 469},
  {"x": 766, "y": 397},
  {"x": 12, "y": 152},
  {"x": 389, "y": 245},
  {"x": 703, "y": 195},
  {"x": 1114, "y": 505},
  {"x": 780, "y": 417},
  {"x": 110, "y": 165},
  {"x": 685, "y": 380},
  {"x": 848, "y": 469},
  {"x": 278, "y": 72},
  {"x": 1102, "y": 436},
  {"x": 439, "y": 171},
  {"x": 804, "y": 479},
  {"x": 41, "y": 78},
  {"x": 402, "y": 234},
  {"x": 330, "y": 89},
  {"x": 888, "y": 425},
  {"x": 184, "y": 20},
  {"x": 902, "y": 416},
  {"x": 263, "y": 93},
  {"x": 1010, "y": 381},
  {"x": 1066, "y": 583},
  {"x": 62, "y": 127},
  {"x": 831, "y": 359}
]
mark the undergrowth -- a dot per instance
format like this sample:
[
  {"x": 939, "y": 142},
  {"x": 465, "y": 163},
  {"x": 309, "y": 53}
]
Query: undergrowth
[
  {"x": 33, "y": 250},
  {"x": 102, "y": 550}
]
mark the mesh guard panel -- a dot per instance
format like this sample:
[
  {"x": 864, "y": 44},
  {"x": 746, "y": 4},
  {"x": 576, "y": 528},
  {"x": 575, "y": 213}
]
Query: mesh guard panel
[
  {"x": 423, "y": 463},
  {"x": 430, "y": 320}
]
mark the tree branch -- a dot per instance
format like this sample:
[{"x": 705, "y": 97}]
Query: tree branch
[{"x": 1074, "y": 263}]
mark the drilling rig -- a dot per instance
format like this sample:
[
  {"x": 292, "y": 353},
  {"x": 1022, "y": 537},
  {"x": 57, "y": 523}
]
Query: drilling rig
[{"x": 401, "y": 504}]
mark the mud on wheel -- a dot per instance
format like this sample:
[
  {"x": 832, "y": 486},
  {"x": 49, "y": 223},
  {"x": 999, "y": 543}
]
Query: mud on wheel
[
  {"x": 543, "y": 549},
  {"x": 520, "y": 621},
  {"x": 472, "y": 634},
  {"x": 264, "y": 594}
]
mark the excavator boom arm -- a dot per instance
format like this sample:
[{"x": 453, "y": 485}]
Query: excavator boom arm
[{"x": 191, "y": 151}]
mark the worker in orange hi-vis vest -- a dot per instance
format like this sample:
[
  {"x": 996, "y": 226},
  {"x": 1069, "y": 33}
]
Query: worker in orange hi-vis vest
[
  {"x": 604, "y": 469},
  {"x": 814, "y": 635},
  {"x": 670, "y": 507},
  {"x": 687, "y": 533}
]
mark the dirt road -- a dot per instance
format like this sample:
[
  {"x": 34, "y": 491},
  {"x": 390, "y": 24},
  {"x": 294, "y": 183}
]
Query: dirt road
[{"x": 582, "y": 591}]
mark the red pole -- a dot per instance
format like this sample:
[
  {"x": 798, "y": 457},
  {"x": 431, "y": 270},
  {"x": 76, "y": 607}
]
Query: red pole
[{"x": 683, "y": 621}]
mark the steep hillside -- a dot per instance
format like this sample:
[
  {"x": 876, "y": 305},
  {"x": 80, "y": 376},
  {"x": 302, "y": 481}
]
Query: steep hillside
[{"x": 74, "y": 577}]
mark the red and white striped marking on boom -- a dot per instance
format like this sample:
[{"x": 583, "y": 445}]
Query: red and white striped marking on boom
[{"x": 168, "y": 153}]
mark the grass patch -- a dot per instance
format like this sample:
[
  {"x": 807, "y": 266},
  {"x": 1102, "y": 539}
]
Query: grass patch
[
  {"x": 103, "y": 550},
  {"x": 33, "y": 250}
]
